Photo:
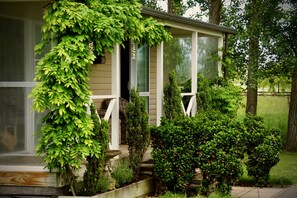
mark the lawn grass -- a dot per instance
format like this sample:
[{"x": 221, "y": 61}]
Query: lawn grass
[
  {"x": 274, "y": 110},
  {"x": 285, "y": 172},
  {"x": 281, "y": 175}
]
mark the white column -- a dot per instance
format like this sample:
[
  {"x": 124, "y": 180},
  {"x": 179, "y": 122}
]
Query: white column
[
  {"x": 159, "y": 83},
  {"x": 194, "y": 69},
  {"x": 115, "y": 81},
  {"x": 220, "y": 54}
]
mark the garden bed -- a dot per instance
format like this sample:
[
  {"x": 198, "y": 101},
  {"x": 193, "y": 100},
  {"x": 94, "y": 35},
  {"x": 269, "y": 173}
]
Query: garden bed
[{"x": 137, "y": 189}]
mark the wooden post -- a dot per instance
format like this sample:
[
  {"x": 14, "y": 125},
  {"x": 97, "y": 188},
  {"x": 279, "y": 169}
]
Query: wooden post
[
  {"x": 115, "y": 91},
  {"x": 194, "y": 71},
  {"x": 159, "y": 83}
]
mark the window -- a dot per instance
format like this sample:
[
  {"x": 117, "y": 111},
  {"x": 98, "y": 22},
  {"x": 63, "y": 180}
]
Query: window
[
  {"x": 208, "y": 56},
  {"x": 17, "y": 120},
  {"x": 140, "y": 70},
  {"x": 177, "y": 57},
  {"x": 142, "y": 63}
]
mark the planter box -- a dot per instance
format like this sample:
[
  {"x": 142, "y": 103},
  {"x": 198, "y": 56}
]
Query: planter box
[{"x": 138, "y": 189}]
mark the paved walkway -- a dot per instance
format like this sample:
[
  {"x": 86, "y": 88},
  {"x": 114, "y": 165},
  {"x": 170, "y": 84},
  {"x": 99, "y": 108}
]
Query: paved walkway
[{"x": 253, "y": 192}]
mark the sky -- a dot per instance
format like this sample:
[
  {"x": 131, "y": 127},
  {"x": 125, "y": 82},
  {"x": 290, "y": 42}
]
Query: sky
[{"x": 189, "y": 13}]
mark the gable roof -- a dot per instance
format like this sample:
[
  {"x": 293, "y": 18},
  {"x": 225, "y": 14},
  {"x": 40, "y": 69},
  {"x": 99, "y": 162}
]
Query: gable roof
[{"x": 183, "y": 20}]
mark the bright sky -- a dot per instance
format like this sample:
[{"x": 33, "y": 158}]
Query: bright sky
[{"x": 189, "y": 13}]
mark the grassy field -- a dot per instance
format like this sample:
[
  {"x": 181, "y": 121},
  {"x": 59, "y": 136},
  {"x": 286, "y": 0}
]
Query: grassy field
[{"x": 274, "y": 110}]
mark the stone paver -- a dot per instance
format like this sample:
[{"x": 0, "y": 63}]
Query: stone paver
[{"x": 253, "y": 192}]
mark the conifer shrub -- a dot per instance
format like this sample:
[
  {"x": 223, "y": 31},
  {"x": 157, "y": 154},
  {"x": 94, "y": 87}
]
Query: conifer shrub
[
  {"x": 93, "y": 177},
  {"x": 172, "y": 99},
  {"x": 138, "y": 131}
]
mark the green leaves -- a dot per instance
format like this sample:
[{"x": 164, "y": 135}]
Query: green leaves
[
  {"x": 172, "y": 99},
  {"x": 137, "y": 130},
  {"x": 263, "y": 147},
  {"x": 63, "y": 91},
  {"x": 174, "y": 153}
]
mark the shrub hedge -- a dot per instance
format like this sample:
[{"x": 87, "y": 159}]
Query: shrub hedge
[
  {"x": 263, "y": 148},
  {"x": 215, "y": 143}
]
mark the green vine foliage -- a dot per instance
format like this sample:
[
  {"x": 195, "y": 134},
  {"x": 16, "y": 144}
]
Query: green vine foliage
[
  {"x": 172, "y": 99},
  {"x": 79, "y": 31},
  {"x": 95, "y": 165},
  {"x": 138, "y": 131}
]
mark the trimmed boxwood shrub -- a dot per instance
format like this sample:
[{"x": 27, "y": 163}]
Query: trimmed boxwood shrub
[
  {"x": 211, "y": 141},
  {"x": 220, "y": 147},
  {"x": 263, "y": 148},
  {"x": 174, "y": 153}
]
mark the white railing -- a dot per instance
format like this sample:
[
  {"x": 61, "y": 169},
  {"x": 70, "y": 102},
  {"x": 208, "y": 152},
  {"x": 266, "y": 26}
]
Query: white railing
[
  {"x": 190, "y": 105},
  {"x": 110, "y": 105}
]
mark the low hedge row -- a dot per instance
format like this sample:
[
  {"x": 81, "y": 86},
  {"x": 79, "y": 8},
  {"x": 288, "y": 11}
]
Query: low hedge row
[{"x": 215, "y": 143}]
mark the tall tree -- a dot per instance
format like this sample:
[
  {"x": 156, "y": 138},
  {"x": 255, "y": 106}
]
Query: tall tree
[
  {"x": 253, "y": 26},
  {"x": 151, "y": 4},
  {"x": 215, "y": 11},
  {"x": 211, "y": 8},
  {"x": 284, "y": 50},
  {"x": 290, "y": 32},
  {"x": 176, "y": 7}
]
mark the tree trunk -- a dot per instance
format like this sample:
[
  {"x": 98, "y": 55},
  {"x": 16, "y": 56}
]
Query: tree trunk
[
  {"x": 252, "y": 82},
  {"x": 291, "y": 143},
  {"x": 170, "y": 6},
  {"x": 215, "y": 11}
]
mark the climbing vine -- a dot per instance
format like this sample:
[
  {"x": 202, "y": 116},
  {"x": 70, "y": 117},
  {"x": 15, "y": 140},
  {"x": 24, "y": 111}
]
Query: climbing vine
[{"x": 79, "y": 31}]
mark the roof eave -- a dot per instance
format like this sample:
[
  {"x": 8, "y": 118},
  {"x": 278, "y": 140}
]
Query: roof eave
[{"x": 183, "y": 20}]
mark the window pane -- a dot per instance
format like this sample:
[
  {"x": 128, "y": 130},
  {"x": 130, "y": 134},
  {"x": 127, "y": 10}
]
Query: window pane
[
  {"x": 142, "y": 63},
  {"x": 177, "y": 57},
  {"x": 11, "y": 50},
  {"x": 12, "y": 127},
  {"x": 207, "y": 56}
]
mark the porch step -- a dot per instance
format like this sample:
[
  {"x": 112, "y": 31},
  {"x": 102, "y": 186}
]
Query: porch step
[{"x": 147, "y": 168}]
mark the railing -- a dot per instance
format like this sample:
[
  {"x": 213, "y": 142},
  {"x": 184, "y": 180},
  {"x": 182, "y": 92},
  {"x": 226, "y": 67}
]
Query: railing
[
  {"x": 110, "y": 105},
  {"x": 190, "y": 105}
]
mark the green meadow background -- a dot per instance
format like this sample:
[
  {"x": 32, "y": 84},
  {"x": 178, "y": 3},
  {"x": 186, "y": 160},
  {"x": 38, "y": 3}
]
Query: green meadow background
[{"x": 274, "y": 110}]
